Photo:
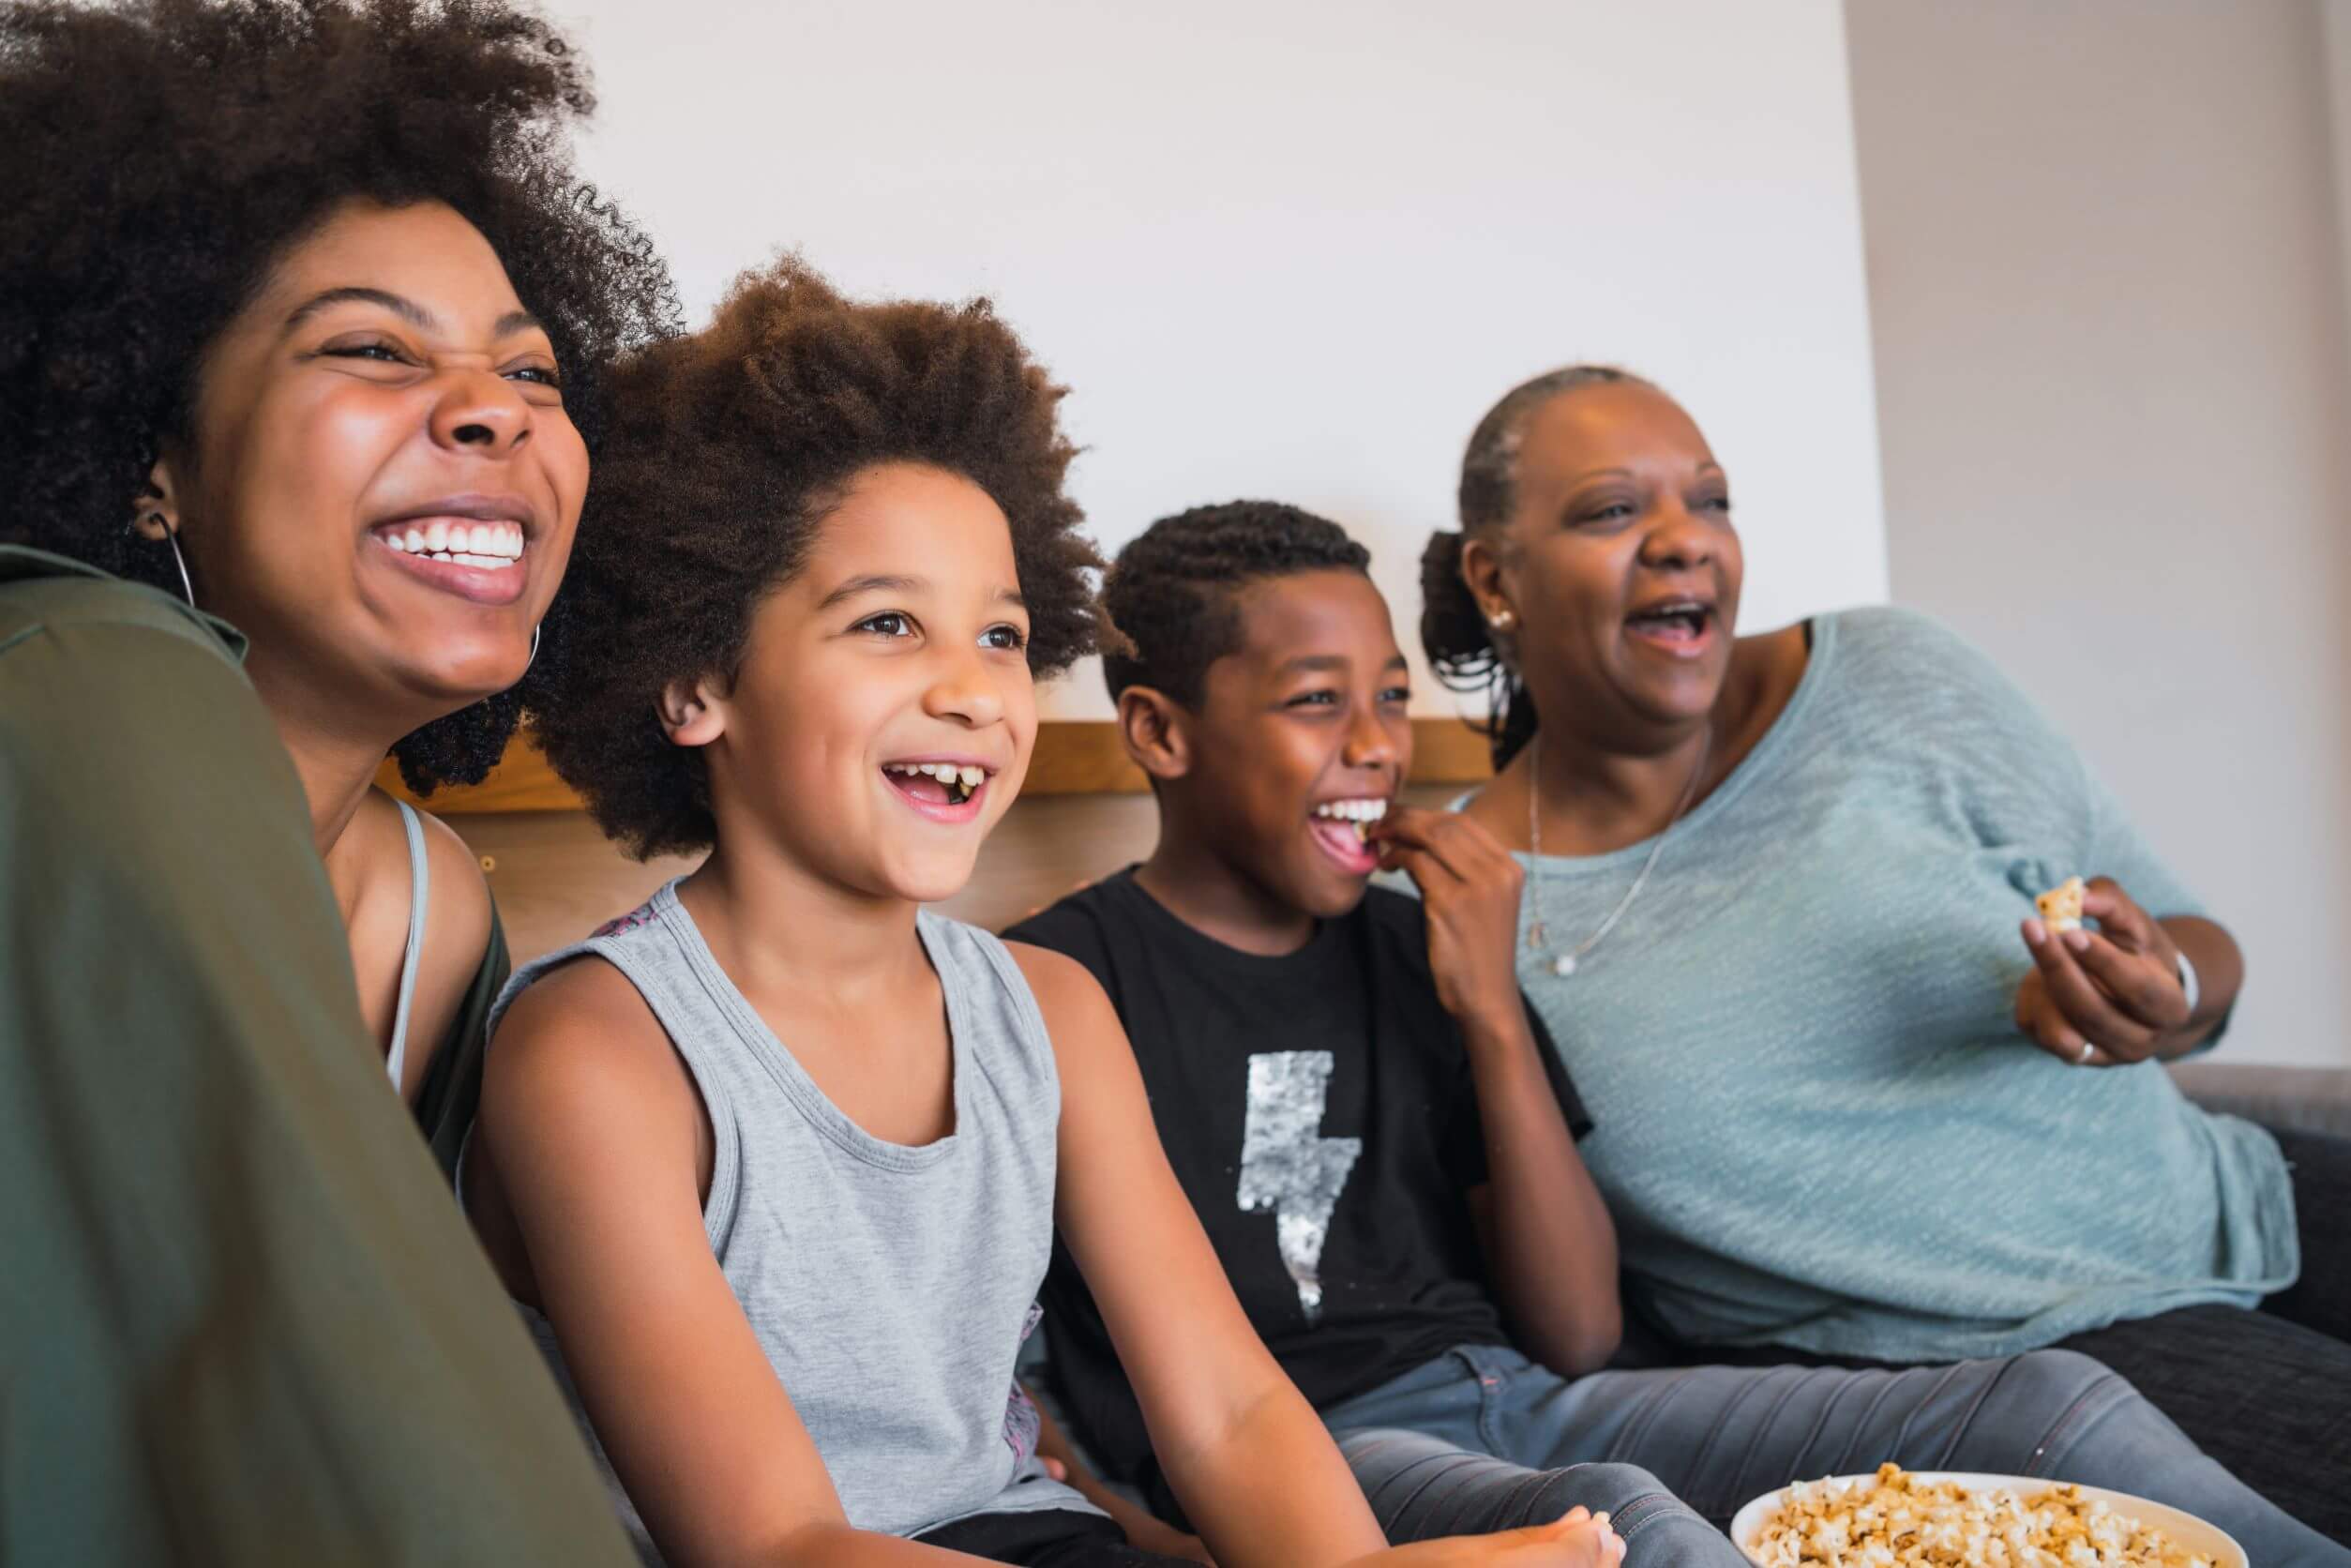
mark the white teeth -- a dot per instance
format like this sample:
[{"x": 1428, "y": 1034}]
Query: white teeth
[
  {"x": 1365, "y": 810},
  {"x": 953, "y": 775},
  {"x": 489, "y": 546},
  {"x": 416, "y": 544}
]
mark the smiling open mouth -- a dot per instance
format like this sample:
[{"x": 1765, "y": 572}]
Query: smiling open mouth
[
  {"x": 945, "y": 791},
  {"x": 480, "y": 562},
  {"x": 1342, "y": 828},
  {"x": 1680, "y": 625}
]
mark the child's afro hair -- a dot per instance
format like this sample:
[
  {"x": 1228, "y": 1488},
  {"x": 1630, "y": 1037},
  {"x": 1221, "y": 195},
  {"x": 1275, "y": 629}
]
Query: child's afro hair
[
  {"x": 726, "y": 451},
  {"x": 1170, "y": 595},
  {"x": 162, "y": 153}
]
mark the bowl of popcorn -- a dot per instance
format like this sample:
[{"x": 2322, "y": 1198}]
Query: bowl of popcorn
[{"x": 1949, "y": 1519}]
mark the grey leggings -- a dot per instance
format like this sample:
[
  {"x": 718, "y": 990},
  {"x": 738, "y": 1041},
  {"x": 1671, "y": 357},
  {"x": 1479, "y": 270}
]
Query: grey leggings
[{"x": 1482, "y": 1440}]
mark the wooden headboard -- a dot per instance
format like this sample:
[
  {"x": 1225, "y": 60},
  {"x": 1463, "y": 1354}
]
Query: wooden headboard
[{"x": 1084, "y": 811}]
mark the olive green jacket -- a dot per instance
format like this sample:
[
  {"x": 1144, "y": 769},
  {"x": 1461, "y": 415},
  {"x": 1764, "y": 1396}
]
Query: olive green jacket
[{"x": 240, "y": 1320}]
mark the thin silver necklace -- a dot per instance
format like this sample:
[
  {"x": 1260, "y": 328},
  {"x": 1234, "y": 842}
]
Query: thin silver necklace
[{"x": 1565, "y": 964}]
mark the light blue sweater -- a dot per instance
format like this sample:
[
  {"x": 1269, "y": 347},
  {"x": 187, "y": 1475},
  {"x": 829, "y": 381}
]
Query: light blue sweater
[{"x": 1815, "y": 1119}]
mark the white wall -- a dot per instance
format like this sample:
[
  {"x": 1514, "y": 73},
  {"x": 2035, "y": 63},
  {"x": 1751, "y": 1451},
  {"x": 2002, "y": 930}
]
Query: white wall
[
  {"x": 2337, "y": 35},
  {"x": 2108, "y": 297},
  {"x": 1295, "y": 248}
]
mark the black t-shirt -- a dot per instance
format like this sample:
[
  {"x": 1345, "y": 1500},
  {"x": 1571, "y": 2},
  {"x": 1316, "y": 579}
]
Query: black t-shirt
[{"x": 1318, "y": 1110}]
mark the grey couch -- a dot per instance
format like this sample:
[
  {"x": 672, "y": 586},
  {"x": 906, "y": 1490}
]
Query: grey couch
[{"x": 2308, "y": 1099}]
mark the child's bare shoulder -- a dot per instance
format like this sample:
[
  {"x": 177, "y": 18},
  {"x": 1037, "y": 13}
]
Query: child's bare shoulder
[
  {"x": 1060, "y": 982},
  {"x": 586, "y": 1109},
  {"x": 583, "y": 1028},
  {"x": 1078, "y": 1017}
]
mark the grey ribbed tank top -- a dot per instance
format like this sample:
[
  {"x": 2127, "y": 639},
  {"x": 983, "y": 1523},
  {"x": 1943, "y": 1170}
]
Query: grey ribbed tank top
[{"x": 891, "y": 1287}]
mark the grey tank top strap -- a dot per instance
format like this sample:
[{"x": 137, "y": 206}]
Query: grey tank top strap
[
  {"x": 890, "y": 1285},
  {"x": 420, "y": 898}
]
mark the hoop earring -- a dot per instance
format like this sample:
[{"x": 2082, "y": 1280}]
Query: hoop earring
[
  {"x": 172, "y": 537},
  {"x": 534, "y": 650}
]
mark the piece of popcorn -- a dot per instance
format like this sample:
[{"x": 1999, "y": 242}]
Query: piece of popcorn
[{"x": 2061, "y": 906}]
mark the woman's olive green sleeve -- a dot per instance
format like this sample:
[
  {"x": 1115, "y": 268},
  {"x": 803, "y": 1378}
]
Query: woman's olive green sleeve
[{"x": 240, "y": 1320}]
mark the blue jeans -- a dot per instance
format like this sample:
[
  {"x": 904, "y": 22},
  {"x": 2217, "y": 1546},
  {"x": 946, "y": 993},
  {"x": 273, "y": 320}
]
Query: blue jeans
[{"x": 1482, "y": 1439}]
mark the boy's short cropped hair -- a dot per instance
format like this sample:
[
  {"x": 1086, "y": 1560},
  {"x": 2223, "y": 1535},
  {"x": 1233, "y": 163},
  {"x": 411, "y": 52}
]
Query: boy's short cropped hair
[
  {"x": 727, "y": 451},
  {"x": 1170, "y": 595}
]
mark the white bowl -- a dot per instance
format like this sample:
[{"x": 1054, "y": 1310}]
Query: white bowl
[{"x": 2185, "y": 1530}]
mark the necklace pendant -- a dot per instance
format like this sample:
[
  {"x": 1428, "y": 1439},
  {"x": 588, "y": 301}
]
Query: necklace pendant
[{"x": 1564, "y": 965}]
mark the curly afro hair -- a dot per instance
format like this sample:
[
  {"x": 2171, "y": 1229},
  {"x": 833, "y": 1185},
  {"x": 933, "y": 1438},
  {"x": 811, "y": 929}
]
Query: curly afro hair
[
  {"x": 1460, "y": 646},
  {"x": 162, "y": 155},
  {"x": 1170, "y": 595},
  {"x": 726, "y": 451}
]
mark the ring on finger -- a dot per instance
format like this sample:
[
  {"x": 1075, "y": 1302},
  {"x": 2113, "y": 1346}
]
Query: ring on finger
[{"x": 2089, "y": 1048}]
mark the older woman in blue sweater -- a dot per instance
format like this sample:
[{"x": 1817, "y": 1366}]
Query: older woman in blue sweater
[{"x": 1854, "y": 1098}]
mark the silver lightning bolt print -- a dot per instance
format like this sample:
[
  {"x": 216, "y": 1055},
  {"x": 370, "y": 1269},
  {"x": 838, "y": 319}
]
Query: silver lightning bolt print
[{"x": 1288, "y": 1167}]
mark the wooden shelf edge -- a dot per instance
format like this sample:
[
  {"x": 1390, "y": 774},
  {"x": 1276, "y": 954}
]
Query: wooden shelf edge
[{"x": 1074, "y": 757}]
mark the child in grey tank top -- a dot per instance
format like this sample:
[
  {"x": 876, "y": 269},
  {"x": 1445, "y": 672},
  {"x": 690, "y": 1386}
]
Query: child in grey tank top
[
  {"x": 903, "y": 1382},
  {"x": 775, "y": 1162}
]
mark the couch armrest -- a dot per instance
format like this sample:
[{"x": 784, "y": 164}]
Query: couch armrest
[{"x": 2308, "y": 1099}]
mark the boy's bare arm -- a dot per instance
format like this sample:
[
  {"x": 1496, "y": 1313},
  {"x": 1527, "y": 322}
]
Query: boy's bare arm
[
  {"x": 591, "y": 1124},
  {"x": 1546, "y": 1234},
  {"x": 1143, "y": 1527}
]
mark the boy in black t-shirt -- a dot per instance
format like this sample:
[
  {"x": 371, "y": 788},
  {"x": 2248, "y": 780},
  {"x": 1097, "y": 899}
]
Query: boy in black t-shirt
[
  {"x": 1377, "y": 1139},
  {"x": 1353, "y": 1092}
]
